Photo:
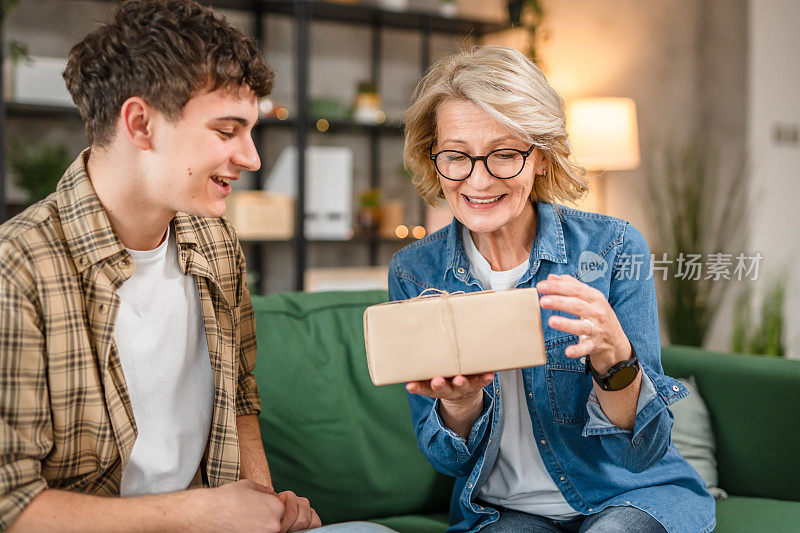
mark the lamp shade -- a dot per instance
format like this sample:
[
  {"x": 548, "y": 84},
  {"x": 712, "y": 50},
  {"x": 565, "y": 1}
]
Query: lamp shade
[{"x": 603, "y": 133}]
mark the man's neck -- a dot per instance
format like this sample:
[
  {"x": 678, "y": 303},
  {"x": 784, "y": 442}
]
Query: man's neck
[{"x": 140, "y": 223}]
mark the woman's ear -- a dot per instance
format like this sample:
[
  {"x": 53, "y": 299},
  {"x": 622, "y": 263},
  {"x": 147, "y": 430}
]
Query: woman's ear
[
  {"x": 136, "y": 122},
  {"x": 540, "y": 167}
]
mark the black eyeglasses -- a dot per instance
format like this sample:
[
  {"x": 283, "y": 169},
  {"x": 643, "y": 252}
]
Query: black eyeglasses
[{"x": 503, "y": 163}]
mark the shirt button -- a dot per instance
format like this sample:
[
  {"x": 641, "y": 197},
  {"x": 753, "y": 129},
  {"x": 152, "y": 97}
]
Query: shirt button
[
  {"x": 675, "y": 388},
  {"x": 469, "y": 485},
  {"x": 591, "y": 509},
  {"x": 628, "y": 502},
  {"x": 583, "y": 360},
  {"x": 562, "y": 478},
  {"x": 461, "y": 270},
  {"x": 103, "y": 308},
  {"x": 637, "y": 441},
  {"x": 543, "y": 441},
  {"x": 530, "y": 395},
  {"x": 83, "y": 261},
  {"x": 124, "y": 263}
]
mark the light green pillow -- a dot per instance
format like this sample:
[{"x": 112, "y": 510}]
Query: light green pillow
[{"x": 693, "y": 437}]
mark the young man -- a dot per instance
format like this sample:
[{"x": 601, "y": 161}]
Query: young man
[{"x": 126, "y": 331}]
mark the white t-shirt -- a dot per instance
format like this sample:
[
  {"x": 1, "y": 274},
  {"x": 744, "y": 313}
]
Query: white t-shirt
[
  {"x": 519, "y": 479},
  {"x": 160, "y": 336}
]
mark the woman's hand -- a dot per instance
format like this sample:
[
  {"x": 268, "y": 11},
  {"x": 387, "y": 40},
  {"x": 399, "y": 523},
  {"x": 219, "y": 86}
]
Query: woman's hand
[
  {"x": 460, "y": 398},
  {"x": 457, "y": 389},
  {"x": 597, "y": 327}
]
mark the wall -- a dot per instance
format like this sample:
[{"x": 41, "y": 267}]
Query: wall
[{"x": 774, "y": 77}]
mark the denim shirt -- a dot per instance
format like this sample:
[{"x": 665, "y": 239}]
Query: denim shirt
[{"x": 593, "y": 463}]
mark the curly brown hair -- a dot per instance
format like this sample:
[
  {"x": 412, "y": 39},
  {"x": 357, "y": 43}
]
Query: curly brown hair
[{"x": 164, "y": 51}]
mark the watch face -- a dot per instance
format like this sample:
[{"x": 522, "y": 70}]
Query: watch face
[{"x": 623, "y": 377}]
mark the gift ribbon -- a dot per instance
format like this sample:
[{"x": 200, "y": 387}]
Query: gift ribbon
[{"x": 448, "y": 322}]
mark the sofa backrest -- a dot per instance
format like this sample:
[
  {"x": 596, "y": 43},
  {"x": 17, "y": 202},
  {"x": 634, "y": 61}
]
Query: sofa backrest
[
  {"x": 754, "y": 403},
  {"x": 329, "y": 433}
]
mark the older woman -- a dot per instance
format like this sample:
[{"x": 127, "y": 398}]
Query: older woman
[{"x": 581, "y": 443}]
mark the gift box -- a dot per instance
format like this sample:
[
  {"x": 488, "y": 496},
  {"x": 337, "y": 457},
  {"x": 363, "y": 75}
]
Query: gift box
[
  {"x": 258, "y": 215},
  {"x": 445, "y": 334}
]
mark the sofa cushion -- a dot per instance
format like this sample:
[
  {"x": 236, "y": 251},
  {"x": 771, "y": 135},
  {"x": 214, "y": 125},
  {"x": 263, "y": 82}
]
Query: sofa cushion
[
  {"x": 329, "y": 433},
  {"x": 739, "y": 514},
  {"x": 693, "y": 437},
  {"x": 753, "y": 404}
]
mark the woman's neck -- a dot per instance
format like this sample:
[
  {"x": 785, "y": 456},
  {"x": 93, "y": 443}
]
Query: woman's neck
[{"x": 509, "y": 246}]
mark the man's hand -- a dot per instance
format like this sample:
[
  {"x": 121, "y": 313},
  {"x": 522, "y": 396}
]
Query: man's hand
[
  {"x": 298, "y": 514},
  {"x": 242, "y": 506}
]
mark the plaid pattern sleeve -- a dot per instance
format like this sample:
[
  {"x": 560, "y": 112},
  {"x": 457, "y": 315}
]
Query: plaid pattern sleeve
[
  {"x": 248, "y": 401},
  {"x": 25, "y": 430}
]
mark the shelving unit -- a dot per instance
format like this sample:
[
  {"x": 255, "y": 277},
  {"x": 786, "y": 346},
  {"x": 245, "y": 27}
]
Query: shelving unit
[{"x": 304, "y": 13}]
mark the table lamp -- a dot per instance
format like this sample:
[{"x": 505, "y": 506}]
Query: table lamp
[{"x": 603, "y": 136}]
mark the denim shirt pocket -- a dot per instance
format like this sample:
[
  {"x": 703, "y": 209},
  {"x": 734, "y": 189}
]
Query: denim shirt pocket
[{"x": 568, "y": 386}]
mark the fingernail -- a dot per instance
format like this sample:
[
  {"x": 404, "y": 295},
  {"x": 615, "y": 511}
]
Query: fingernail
[{"x": 545, "y": 300}]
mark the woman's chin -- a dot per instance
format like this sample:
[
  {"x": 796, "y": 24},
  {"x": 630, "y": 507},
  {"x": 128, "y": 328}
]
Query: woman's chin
[{"x": 482, "y": 224}]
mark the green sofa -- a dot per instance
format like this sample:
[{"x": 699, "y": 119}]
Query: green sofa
[{"x": 348, "y": 446}]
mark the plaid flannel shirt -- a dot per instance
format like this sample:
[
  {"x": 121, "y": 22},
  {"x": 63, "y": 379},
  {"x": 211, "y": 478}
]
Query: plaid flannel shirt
[{"x": 65, "y": 414}]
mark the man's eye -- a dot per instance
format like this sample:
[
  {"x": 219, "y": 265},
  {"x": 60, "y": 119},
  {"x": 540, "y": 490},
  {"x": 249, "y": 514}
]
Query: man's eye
[{"x": 227, "y": 134}]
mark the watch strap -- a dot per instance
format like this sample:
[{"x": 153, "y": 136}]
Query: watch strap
[{"x": 618, "y": 376}]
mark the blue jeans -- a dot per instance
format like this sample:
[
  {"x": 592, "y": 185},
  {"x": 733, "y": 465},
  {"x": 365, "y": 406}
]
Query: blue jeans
[
  {"x": 609, "y": 520},
  {"x": 351, "y": 527}
]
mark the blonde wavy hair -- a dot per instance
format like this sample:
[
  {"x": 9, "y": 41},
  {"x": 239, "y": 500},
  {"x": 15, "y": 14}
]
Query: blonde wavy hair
[{"x": 511, "y": 90}]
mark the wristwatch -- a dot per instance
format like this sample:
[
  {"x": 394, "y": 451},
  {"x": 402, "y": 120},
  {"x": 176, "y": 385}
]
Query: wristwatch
[{"x": 618, "y": 376}]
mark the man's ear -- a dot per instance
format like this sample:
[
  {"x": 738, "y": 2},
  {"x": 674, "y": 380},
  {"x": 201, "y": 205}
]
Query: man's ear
[{"x": 136, "y": 119}]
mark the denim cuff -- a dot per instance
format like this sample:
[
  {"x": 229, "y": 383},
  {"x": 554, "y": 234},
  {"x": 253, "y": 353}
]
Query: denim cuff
[
  {"x": 464, "y": 447},
  {"x": 599, "y": 424}
]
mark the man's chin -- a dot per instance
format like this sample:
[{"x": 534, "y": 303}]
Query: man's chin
[{"x": 205, "y": 211}]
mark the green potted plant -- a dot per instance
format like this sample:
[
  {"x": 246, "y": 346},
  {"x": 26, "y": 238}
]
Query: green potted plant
[
  {"x": 766, "y": 336},
  {"x": 37, "y": 169},
  {"x": 529, "y": 15},
  {"x": 16, "y": 50},
  {"x": 694, "y": 212},
  {"x": 369, "y": 210}
]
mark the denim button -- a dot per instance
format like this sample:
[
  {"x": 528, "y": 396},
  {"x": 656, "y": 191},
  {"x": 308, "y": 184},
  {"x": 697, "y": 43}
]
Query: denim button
[
  {"x": 637, "y": 441},
  {"x": 675, "y": 388},
  {"x": 469, "y": 485},
  {"x": 591, "y": 509},
  {"x": 543, "y": 441},
  {"x": 461, "y": 270},
  {"x": 562, "y": 478}
]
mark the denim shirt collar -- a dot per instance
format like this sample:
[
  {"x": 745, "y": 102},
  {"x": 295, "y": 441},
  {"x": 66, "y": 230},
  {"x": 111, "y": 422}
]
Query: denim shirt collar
[{"x": 548, "y": 244}]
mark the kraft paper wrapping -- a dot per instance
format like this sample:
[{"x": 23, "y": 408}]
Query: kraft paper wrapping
[{"x": 443, "y": 334}]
